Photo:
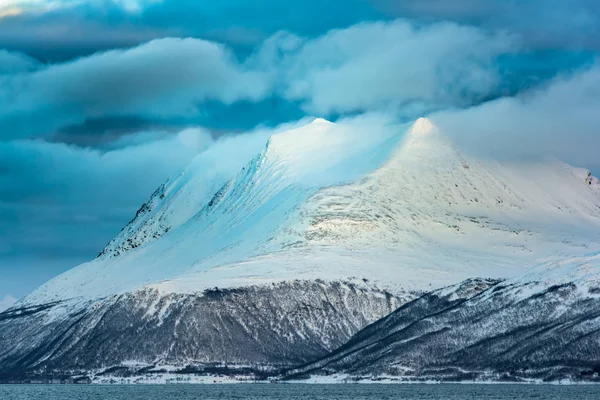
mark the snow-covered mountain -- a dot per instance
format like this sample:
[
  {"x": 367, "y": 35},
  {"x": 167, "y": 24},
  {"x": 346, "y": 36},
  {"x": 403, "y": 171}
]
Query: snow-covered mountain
[
  {"x": 320, "y": 200},
  {"x": 328, "y": 229}
]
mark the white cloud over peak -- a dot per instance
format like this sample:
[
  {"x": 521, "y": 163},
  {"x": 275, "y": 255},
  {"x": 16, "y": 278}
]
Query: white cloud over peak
[
  {"x": 559, "y": 120},
  {"x": 385, "y": 65}
]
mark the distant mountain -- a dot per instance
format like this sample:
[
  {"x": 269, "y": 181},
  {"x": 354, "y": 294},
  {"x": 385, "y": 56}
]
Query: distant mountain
[{"x": 330, "y": 228}]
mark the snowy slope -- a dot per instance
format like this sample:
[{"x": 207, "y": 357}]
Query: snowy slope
[
  {"x": 544, "y": 325},
  {"x": 406, "y": 210}
]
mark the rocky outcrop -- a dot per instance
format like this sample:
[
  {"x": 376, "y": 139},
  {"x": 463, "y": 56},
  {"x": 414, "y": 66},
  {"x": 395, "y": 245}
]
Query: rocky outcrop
[
  {"x": 267, "y": 326},
  {"x": 494, "y": 332}
]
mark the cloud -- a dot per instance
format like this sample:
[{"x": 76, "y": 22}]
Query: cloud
[
  {"x": 67, "y": 28},
  {"x": 167, "y": 84},
  {"x": 463, "y": 9},
  {"x": 41, "y": 6},
  {"x": 387, "y": 65},
  {"x": 370, "y": 66},
  {"x": 59, "y": 204},
  {"x": 14, "y": 62},
  {"x": 558, "y": 120},
  {"x": 61, "y": 29},
  {"x": 7, "y": 302},
  {"x": 70, "y": 28},
  {"x": 167, "y": 77},
  {"x": 546, "y": 24},
  {"x": 43, "y": 173},
  {"x": 63, "y": 38},
  {"x": 9, "y": 12}
]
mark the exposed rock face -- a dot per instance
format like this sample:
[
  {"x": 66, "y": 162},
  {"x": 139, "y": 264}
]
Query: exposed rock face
[
  {"x": 492, "y": 331},
  {"x": 269, "y": 326},
  {"x": 143, "y": 228}
]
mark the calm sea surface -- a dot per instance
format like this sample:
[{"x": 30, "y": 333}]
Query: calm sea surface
[{"x": 300, "y": 392}]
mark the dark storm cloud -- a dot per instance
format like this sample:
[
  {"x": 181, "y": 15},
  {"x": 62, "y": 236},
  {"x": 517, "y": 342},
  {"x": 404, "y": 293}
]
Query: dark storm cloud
[
  {"x": 181, "y": 81},
  {"x": 14, "y": 62},
  {"x": 75, "y": 29},
  {"x": 545, "y": 24},
  {"x": 235, "y": 19},
  {"x": 69, "y": 29},
  {"x": 103, "y": 131},
  {"x": 162, "y": 78}
]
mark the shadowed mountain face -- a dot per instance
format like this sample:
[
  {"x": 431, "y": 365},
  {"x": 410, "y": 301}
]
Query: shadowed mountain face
[
  {"x": 260, "y": 326},
  {"x": 481, "y": 330}
]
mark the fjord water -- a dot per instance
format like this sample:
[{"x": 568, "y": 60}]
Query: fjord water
[{"x": 299, "y": 392}]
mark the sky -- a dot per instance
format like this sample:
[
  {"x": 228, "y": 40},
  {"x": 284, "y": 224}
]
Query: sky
[{"x": 103, "y": 100}]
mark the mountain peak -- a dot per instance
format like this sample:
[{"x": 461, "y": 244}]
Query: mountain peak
[
  {"x": 296, "y": 142},
  {"x": 424, "y": 142},
  {"x": 321, "y": 121},
  {"x": 423, "y": 126}
]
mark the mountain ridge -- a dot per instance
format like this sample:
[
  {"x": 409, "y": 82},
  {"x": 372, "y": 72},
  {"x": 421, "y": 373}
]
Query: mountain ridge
[{"x": 420, "y": 194}]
